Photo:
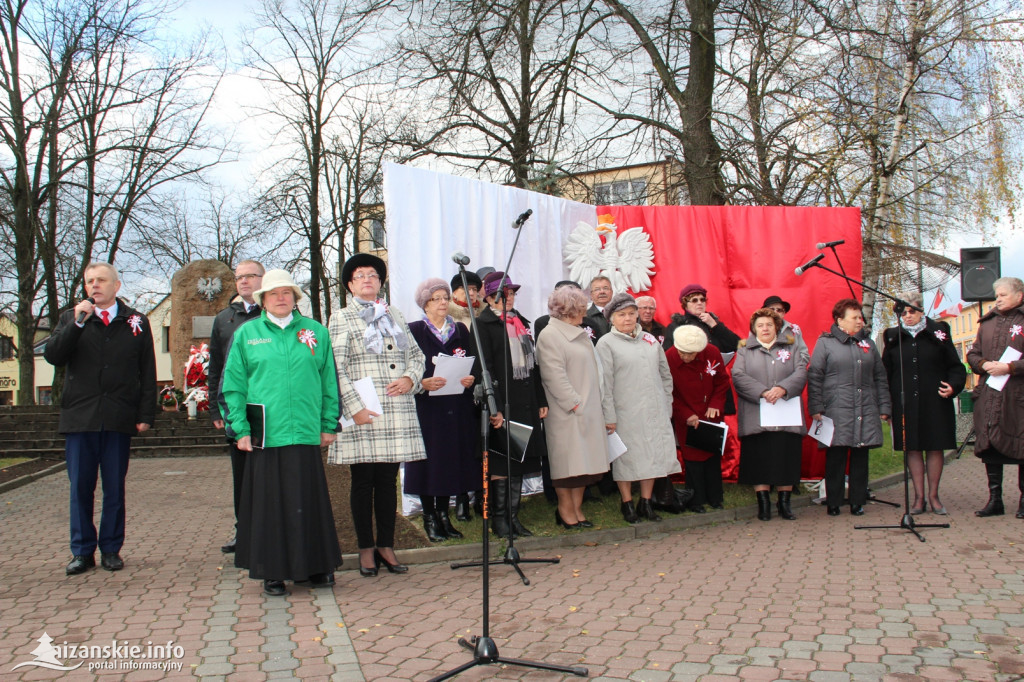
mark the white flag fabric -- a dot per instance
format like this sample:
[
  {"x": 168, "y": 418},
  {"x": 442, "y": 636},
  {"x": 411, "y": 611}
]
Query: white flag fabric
[{"x": 432, "y": 215}]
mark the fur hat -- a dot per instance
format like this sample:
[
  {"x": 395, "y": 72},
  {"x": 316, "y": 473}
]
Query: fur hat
[
  {"x": 689, "y": 339},
  {"x": 471, "y": 278},
  {"x": 362, "y": 260},
  {"x": 274, "y": 279},
  {"x": 426, "y": 289},
  {"x": 618, "y": 302}
]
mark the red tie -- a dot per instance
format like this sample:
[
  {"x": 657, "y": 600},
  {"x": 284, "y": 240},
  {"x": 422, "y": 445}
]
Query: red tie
[{"x": 106, "y": 316}]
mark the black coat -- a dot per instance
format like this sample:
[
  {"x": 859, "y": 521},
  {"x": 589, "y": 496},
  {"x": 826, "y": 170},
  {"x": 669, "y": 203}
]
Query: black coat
[
  {"x": 525, "y": 396},
  {"x": 224, "y": 326},
  {"x": 601, "y": 324},
  {"x": 110, "y": 383},
  {"x": 926, "y": 360}
]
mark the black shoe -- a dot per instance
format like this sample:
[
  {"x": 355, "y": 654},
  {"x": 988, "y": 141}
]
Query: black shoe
[
  {"x": 833, "y": 511},
  {"x": 80, "y": 563},
  {"x": 568, "y": 526},
  {"x": 645, "y": 511},
  {"x": 499, "y": 507},
  {"x": 367, "y": 572},
  {"x": 585, "y": 524},
  {"x": 379, "y": 559},
  {"x": 784, "y": 505},
  {"x": 321, "y": 580},
  {"x": 629, "y": 512},
  {"x": 718, "y": 506},
  {"x": 229, "y": 548},
  {"x": 764, "y": 505},
  {"x": 696, "y": 508},
  {"x": 462, "y": 512},
  {"x": 857, "y": 509},
  {"x": 275, "y": 588},
  {"x": 432, "y": 527},
  {"x": 994, "y": 506},
  {"x": 446, "y": 525},
  {"x": 515, "y": 491},
  {"x": 111, "y": 561}
]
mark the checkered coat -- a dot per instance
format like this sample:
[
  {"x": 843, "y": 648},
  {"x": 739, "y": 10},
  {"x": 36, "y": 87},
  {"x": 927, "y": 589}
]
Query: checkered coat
[{"x": 395, "y": 436}]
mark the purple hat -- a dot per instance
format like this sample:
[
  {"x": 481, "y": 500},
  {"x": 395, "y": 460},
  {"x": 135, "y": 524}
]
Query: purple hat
[
  {"x": 426, "y": 289},
  {"x": 692, "y": 289},
  {"x": 493, "y": 280}
]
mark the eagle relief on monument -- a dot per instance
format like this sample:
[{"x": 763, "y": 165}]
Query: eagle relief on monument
[{"x": 627, "y": 259}]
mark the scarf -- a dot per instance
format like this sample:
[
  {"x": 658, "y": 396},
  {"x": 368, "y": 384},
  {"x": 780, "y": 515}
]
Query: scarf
[
  {"x": 379, "y": 324},
  {"x": 916, "y": 329},
  {"x": 520, "y": 344},
  {"x": 446, "y": 330}
]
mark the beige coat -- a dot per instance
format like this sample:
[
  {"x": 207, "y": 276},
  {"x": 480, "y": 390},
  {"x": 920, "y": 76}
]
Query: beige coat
[{"x": 576, "y": 439}]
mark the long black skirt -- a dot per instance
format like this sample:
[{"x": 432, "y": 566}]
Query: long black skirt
[
  {"x": 770, "y": 458},
  {"x": 285, "y": 524}
]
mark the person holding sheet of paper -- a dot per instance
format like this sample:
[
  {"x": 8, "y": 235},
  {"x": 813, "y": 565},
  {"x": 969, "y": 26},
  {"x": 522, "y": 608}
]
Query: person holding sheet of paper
[
  {"x": 769, "y": 371},
  {"x": 636, "y": 395},
  {"x": 922, "y": 365},
  {"x": 999, "y": 412},
  {"x": 449, "y": 422},
  {"x": 371, "y": 340},
  {"x": 699, "y": 387},
  {"x": 846, "y": 382}
]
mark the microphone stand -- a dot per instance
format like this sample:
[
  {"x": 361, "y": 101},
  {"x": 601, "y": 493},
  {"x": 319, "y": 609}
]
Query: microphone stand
[
  {"x": 485, "y": 651},
  {"x": 907, "y": 521}
]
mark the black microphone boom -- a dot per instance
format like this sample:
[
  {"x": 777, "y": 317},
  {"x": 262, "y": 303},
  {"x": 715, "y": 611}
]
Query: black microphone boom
[
  {"x": 809, "y": 264},
  {"x": 460, "y": 258},
  {"x": 80, "y": 318},
  {"x": 523, "y": 217},
  {"x": 828, "y": 245}
]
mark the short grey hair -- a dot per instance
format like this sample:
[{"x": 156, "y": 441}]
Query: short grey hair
[
  {"x": 914, "y": 298},
  {"x": 567, "y": 301},
  {"x": 1015, "y": 284},
  {"x": 111, "y": 269},
  {"x": 640, "y": 300}
]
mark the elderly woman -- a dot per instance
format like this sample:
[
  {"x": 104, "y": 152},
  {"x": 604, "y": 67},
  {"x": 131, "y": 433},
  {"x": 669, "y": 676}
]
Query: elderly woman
[
  {"x": 280, "y": 400},
  {"x": 452, "y": 466},
  {"x": 846, "y": 382},
  {"x": 462, "y": 301},
  {"x": 371, "y": 340},
  {"x": 575, "y": 428},
  {"x": 636, "y": 390},
  {"x": 769, "y": 367},
  {"x": 999, "y": 415},
  {"x": 922, "y": 365},
  {"x": 694, "y": 299},
  {"x": 699, "y": 387},
  {"x": 511, "y": 357}
]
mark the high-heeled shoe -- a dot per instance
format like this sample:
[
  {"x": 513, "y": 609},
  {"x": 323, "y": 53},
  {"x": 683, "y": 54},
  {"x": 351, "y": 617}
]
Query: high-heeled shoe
[
  {"x": 568, "y": 526},
  {"x": 368, "y": 572},
  {"x": 914, "y": 511},
  {"x": 379, "y": 559}
]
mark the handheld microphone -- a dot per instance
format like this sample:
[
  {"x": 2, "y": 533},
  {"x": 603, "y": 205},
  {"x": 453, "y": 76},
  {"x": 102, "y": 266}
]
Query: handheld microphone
[
  {"x": 827, "y": 245},
  {"x": 523, "y": 217},
  {"x": 809, "y": 264},
  {"x": 460, "y": 258},
  {"x": 80, "y": 318}
]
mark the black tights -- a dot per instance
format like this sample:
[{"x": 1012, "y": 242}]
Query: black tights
[
  {"x": 374, "y": 496},
  {"x": 431, "y": 504}
]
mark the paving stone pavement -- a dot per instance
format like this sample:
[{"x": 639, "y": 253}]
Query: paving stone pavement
[{"x": 813, "y": 599}]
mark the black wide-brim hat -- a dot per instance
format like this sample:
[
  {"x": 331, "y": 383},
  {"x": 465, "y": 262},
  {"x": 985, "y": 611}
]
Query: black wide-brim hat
[
  {"x": 471, "y": 278},
  {"x": 362, "y": 260},
  {"x": 773, "y": 300}
]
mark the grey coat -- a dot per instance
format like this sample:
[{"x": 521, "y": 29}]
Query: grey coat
[
  {"x": 758, "y": 369},
  {"x": 395, "y": 436},
  {"x": 846, "y": 382},
  {"x": 636, "y": 395},
  {"x": 577, "y": 444}
]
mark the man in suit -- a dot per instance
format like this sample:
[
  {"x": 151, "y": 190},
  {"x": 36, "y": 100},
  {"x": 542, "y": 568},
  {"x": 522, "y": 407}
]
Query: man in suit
[
  {"x": 109, "y": 396},
  {"x": 600, "y": 294},
  {"x": 248, "y": 279}
]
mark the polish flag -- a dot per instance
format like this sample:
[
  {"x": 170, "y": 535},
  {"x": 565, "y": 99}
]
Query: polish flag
[
  {"x": 953, "y": 311},
  {"x": 938, "y": 299}
]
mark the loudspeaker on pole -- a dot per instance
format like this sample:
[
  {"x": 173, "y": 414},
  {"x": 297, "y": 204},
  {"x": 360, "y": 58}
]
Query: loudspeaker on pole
[{"x": 979, "y": 269}]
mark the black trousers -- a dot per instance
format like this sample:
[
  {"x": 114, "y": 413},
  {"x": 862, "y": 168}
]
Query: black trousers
[
  {"x": 237, "y": 475},
  {"x": 374, "y": 495},
  {"x": 835, "y": 471},
  {"x": 705, "y": 480}
]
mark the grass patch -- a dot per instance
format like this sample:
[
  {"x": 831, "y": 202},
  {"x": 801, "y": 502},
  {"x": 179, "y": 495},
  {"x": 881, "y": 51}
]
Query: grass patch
[{"x": 11, "y": 461}]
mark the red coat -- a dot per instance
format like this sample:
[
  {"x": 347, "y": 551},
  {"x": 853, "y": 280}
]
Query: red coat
[{"x": 694, "y": 390}]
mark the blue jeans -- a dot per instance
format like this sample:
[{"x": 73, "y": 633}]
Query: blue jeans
[{"x": 88, "y": 454}]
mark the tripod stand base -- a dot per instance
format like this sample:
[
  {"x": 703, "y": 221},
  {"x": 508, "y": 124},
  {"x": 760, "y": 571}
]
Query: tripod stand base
[
  {"x": 485, "y": 652},
  {"x": 907, "y": 523},
  {"x": 512, "y": 559}
]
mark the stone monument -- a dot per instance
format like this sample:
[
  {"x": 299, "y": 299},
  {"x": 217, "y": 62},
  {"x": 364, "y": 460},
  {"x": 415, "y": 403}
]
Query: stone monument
[{"x": 199, "y": 291}]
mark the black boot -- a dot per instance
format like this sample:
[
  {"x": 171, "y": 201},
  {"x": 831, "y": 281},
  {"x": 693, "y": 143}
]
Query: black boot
[
  {"x": 1020, "y": 484},
  {"x": 499, "y": 506},
  {"x": 994, "y": 507},
  {"x": 785, "y": 511},
  {"x": 516, "y": 492},
  {"x": 462, "y": 512},
  {"x": 446, "y": 524},
  {"x": 764, "y": 505},
  {"x": 629, "y": 512},
  {"x": 432, "y": 527},
  {"x": 478, "y": 502},
  {"x": 645, "y": 511}
]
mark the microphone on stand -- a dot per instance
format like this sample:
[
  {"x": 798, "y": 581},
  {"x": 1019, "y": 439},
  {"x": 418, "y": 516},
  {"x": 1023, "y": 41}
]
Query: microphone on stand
[
  {"x": 809, "y": 264},
  {"x": 80, "y": 318},
  {"x": 827, "y": 245},
  {"x": 460, "y": 258},
  {"x": 523, "y": 217}
]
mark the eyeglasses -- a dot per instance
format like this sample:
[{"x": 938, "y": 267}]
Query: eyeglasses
[
  {"x": 697, "y": 299},
  {"x": 908, "y": 311},
  {"x": 780, "y": 310},
  {"x": 359, "y": 277},
  {"x": 242, "y": 278},
  {"x": 439, "y": 299}
]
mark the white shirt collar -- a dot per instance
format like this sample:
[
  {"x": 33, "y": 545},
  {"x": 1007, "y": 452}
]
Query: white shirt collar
[
  {"x": 112, "y": 310},
  {"x": 281, "y": 322}
]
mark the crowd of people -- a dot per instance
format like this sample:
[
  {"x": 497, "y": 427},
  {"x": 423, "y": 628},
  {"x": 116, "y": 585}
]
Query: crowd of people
[{"x": 602, "y": 392}]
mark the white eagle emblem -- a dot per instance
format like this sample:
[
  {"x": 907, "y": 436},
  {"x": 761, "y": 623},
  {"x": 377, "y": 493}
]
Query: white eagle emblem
[
  {"x": 208, "y": 287},
  {"x": 626, "y": 259}
]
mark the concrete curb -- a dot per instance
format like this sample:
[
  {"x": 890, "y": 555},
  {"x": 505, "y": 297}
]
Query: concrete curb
[{"x": 25, "y": 480}]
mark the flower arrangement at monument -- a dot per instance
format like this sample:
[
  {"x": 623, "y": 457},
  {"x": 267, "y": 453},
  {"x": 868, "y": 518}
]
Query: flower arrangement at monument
[
  {"x": 195, "y": 377},
  {"x": 170, "y": 398}
]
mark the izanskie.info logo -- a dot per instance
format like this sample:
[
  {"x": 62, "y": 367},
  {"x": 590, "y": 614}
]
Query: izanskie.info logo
[{"x": 122, "y": 656}]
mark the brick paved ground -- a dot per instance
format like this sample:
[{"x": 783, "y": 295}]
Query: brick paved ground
[{"x": 812, "y": 599}]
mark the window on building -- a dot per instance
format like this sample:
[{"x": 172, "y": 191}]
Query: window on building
[
  {"x": 165, "y": 345},
  {"x": 377, "y": 233},
  {"x": 6, "y": 347},
  {"x": 44, "y": 395},
  {"x": 6, "y": 398},
  {"x": 621, "y": 192}
]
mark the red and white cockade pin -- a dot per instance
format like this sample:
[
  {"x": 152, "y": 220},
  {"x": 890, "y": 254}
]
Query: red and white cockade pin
[
  {"x": 783, "y": 355},
  {"x": 1016, "y": 330},
  {"x": 940, "y": 335},
  {"x": 864, "y": 346},
  {"x": 712, "y": 370},
  {"x": 649, "y": 338},
  {"x": 590, "y": 332},
  {"x": 135, "y": 322},
  {"x": 459, "y": 352},
  {"x": 308, "y": 337}
]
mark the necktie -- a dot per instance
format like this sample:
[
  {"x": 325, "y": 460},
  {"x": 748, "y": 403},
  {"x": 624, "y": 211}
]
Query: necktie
[{"x": 106, "y": 316}]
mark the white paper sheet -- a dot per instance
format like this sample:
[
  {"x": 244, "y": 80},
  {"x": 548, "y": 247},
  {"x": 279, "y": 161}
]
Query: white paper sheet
[
  {"x": 1009, "y": 355},
  {"x": 616, "y": 448},
  {"x": 782, "y": 413},
  {"x": 368, "y": 394},
  {"x": 822, "y": 431},
  {"x": 451, "y": 369}
]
